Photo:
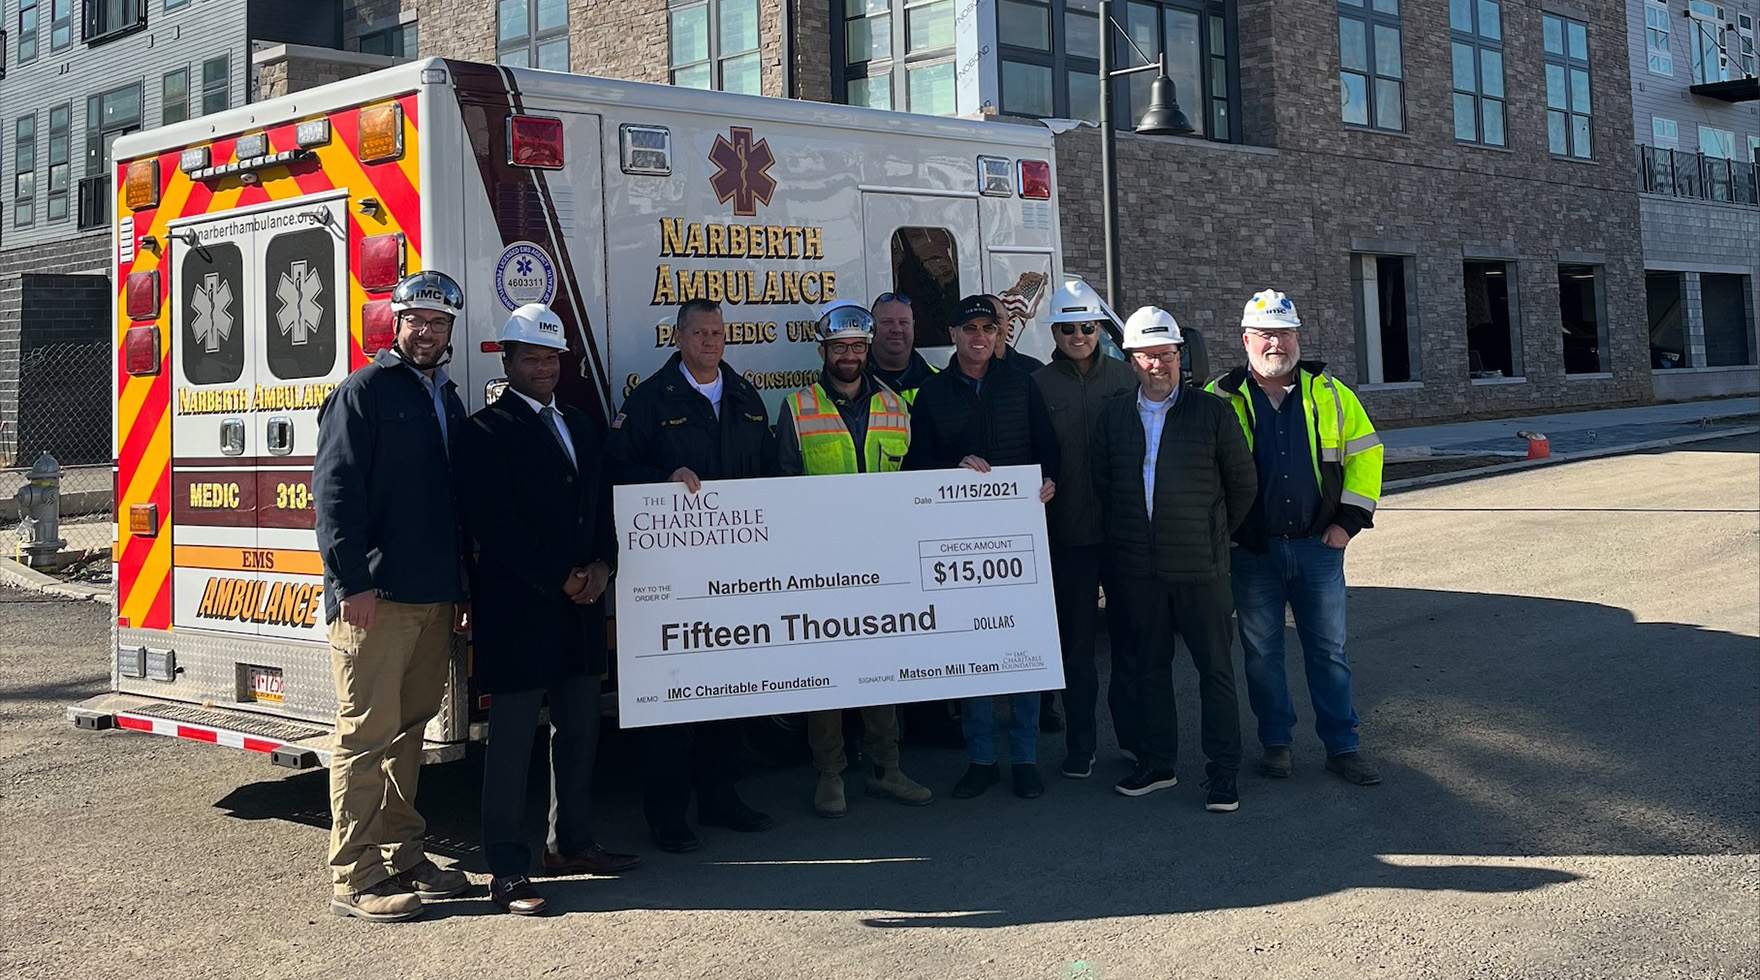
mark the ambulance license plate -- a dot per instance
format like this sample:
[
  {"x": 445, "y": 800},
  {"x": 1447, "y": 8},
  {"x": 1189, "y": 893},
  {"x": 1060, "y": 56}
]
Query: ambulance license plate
[{"x": 266, "y": 685}]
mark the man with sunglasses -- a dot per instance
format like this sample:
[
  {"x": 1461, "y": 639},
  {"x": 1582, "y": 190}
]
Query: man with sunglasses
[
  {"x": 848, "y": 423},
  {"x": 1074, "y": 385},
  {"x": 893, "y": 357},
  {"x": 1174, "y": 479},
  {"x": 978, "y": 413}
]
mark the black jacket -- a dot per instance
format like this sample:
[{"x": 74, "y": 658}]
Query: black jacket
[
  {"x": 534, "y": 519},
  {"x": 666, "y": 424},
  {"x": 1003, "y": 421},
  {"x": 382, "y": 488},
  {"x": 916, "y": 371},
  {"x": 1205, "y": 484},
  {"x": 1073, "y": 400}
]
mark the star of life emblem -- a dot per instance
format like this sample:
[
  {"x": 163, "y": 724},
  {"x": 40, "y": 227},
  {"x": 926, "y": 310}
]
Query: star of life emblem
[
  {"x": 298, "y": 292},
  {"x": 212, "y": 306}
]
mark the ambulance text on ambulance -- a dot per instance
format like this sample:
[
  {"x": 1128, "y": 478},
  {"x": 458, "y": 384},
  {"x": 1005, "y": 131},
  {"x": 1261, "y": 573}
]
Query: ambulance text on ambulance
[
  {"x": 263, "y": 398},
  {"x": 741, "y": 286}
]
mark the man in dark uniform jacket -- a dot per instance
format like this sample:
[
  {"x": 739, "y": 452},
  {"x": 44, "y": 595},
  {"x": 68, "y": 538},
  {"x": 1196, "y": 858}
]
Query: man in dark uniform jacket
[
  {"x": 535, "y": 498},
  {"x": 695, "y": 419}
]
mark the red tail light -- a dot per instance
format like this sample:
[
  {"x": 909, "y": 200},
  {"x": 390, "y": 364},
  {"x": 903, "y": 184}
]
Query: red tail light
[
  {"x": 140, "y": 350},
  {"x": 378, "y": 326},
  {"x": 141, "y": 295},
  {"x": 534, "y": 141},
  {"x": 381, "y": 261},
  {"x": 1036, "y": 180}
]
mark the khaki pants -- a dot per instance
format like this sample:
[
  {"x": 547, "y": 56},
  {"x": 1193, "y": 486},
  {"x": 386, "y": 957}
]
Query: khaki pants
[
  {"x": 389, "y": 680},
  {"x": 879, "y": 738}
]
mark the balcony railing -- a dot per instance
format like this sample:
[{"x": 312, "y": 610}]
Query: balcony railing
[
  {"x": 94, "y": 202},
  {"x": 1695, "y": 175}
]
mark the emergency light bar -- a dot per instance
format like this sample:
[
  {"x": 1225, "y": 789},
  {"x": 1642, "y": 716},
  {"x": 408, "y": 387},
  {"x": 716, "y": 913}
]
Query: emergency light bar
[{"x": 247, "y": 168}]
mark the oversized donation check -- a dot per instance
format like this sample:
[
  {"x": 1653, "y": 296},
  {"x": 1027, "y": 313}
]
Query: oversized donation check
[{"x": 763, "y": 597}]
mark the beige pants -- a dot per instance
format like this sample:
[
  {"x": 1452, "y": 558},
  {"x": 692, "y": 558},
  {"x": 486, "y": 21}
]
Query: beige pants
[
  {"x": 879, "y": 737},
  {"x": 388, "y": 685}
]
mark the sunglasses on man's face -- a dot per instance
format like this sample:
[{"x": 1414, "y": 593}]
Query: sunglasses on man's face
[
  {"x": 891, "y": 298},
  {"x": 1069, "y": 329}
]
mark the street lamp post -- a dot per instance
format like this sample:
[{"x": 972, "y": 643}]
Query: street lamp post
[{"x": 1164, "y": 118}]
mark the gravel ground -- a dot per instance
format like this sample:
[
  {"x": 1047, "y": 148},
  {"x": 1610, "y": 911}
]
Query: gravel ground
[{"x": 1556, "y": 669}]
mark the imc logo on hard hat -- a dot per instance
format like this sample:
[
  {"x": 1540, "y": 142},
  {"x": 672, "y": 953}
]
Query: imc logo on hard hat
[
  {"x": 551, "y": 327},
  {"x": 742, "y": 171}
]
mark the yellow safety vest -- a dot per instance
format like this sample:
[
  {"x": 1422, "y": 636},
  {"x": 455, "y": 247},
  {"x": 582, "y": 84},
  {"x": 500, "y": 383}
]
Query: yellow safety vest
[{"x": 826, "y": 444}]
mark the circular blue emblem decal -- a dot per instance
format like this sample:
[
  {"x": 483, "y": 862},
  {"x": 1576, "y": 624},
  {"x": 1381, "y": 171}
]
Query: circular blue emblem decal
[{"x": 524, "y": 275}]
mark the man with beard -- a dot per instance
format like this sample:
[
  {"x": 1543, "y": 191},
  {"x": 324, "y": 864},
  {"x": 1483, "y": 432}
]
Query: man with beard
[
  {"x": 695, "y": 419},
  {"x": 1319, "y": 466},
  {"x": 981, "y": 412},
  {"x": 389, "y": 537},
  {"x": 893, "y": 357},
  {"x": 848, "y": 423},
  {"x": 1174, "y": 478},
  {"x": 535, "y": 499}
]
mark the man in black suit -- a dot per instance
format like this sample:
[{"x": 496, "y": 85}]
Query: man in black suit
[
  {"x": 535, "y": 497},
  {"x": 695, "y": 419}
]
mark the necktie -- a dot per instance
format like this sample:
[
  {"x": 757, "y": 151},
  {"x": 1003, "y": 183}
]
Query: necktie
[{"x": 548, "y": 414}]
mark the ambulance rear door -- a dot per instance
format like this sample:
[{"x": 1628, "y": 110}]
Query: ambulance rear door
[{"x": 929, "y": 241}]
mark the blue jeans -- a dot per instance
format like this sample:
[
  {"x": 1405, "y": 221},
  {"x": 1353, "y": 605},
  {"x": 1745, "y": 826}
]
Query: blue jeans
[
  {"x": 978, "y": 720},
  {"x": 1307, "y": 576}
]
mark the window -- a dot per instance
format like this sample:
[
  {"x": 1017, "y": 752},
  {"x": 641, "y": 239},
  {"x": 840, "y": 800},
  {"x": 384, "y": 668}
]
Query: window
[
  {"x": 60, "y": 24},
  {"x": 2, "y": 42},
  {"x": 107, "y": 18},
  {"x": 1745, "y": 44},
  {"x": 27, "y": 31},
  {"x": 216, "y": 79},
  {"x": 1567, "y": 86},
  {"x": 1580, "y": 306},
  {"x": 1705, "y": 24},
  {"x": 1387, "y": 318},
  {"x": 1717, "y": 143},
  {"x": 300, "y": 342},
  {"x": 108, "y": 116},
  {"x": 1656, "y": 37},
  {"x": 1494, "y": 344},
  {"x": 1728, "y": 327},
  {"x": 1476, "y": 37},
  {"x": 398, "y": 42},
  {"x": 174, "y": 97},
  {"x": 1370, "y": 68},
  {"x": 1668, "y": 331},
  {"x": 1197, "y": 42},
  {"x": 1665, "y": 132},
  {"x": 24, "y": 171},
  {"x": 532, "y": 34},
  {"x": 898, "y": 54},
  {"x": 715, "y": 45},
  {"x": 925, "y": 267},
  {"x": 60, "y": 122},
  {"x": 171, "y": 4}
]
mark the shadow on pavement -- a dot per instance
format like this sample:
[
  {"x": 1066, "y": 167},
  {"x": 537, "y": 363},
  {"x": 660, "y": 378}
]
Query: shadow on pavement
[{"x": 1510, "y": 729}]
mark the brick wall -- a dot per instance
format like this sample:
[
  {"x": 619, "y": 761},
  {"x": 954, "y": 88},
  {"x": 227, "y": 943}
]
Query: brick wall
[
  {"x": 462, "y": 29},
  {"x": 35, "y": 309}
]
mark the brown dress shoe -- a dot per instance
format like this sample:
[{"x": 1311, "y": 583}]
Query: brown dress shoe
[
  {"x": 516, "y": 895},
  {"x": 593, "y": 861}
]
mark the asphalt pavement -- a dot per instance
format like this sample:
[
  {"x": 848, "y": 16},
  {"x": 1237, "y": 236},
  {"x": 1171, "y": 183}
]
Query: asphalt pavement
[{"x": 1557, "y": 669}]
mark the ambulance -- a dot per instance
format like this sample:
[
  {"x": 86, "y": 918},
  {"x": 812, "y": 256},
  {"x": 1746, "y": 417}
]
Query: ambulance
[{"x": 255, "y": 252}]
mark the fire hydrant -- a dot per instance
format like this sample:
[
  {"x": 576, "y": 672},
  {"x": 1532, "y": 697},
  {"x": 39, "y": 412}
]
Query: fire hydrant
[{"x": 39, "y": 513}]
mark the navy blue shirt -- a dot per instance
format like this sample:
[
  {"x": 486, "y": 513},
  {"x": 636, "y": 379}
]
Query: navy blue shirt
[{"x": 1289, "y": 494}]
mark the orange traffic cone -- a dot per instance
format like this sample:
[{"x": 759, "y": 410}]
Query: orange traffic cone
[{"x": 1538, "y": 446}]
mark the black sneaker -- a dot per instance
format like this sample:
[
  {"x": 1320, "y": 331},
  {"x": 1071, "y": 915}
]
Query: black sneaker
[
  {"x": 977, "y": 779},
  {"x": 1276, "y": 762},
  {"x": 1223, "y": 797},
  {"x": 1077, "y": 765},
  {"x": 1145, "y": 781},
  {"x": 1354, "y": 768},
  {"x": 1027, "y": 783}
]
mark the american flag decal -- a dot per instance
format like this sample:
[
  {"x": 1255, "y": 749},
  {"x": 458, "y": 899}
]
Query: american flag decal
[{"x": 1022, "y": 298}]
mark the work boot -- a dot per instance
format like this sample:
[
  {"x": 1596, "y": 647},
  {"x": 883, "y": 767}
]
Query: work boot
[
  {"x": 1354, "y": 768},
  {"x": 978, "y": 778},
  {"x": 828, "y": 798},
  {"x": 895, "y": 785},
  {"x": 1276, "y": 762},
  {"x": 386, "y": 901},
  {"x": 430, "y": 881}
]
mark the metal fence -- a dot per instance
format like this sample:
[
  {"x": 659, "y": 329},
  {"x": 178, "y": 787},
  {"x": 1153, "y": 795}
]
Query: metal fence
[
  {"x": 1695, "y": 175},
  {"x": 63, "y": 408}
]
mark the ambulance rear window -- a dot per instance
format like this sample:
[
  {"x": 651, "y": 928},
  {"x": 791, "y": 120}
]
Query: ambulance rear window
[
  {"x": 925, "y": 267},
  {"x": 300, "y": 329},
  {"x": 211, "y": 298}
]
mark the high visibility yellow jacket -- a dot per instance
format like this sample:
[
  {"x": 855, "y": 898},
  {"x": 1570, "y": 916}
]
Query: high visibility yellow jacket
[
  {"x": 1342, "y": 442},
  {"x": 826, "y": 445}
]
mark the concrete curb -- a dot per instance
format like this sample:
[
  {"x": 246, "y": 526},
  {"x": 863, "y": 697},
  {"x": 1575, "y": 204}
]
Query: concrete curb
[
  {"x": 1458, "y": 476},
  {"x": 23, "y": 576}
]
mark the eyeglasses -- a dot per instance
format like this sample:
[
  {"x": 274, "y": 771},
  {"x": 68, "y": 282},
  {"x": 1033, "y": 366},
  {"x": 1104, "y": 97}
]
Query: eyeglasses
[
  {"x": 1264, "y": 336},
  {"x": 1145, "y": 358},
  {"x": 439, "y": 324},
  {"x": 848, "y": 347},
  {"x": 976, "y": 327},
  {"x": 891, "y": 298},
  {"x": 1069, "y": 329}
]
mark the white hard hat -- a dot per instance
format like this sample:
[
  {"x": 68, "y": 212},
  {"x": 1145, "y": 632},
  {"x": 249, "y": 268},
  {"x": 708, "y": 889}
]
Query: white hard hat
[
  {"x": 1270, "y": 310},
  {"x": 1151, "y": 326},
  {"x": 536, "y": 324},
  {"x": 1076, "y": 302},
  {"x": 844, "y": 320}
]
